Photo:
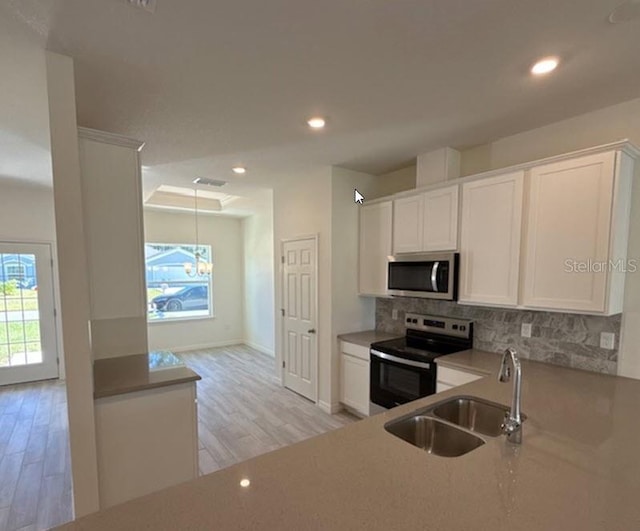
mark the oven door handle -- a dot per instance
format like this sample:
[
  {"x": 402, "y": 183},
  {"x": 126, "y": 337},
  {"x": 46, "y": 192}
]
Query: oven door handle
[{"x": 402, "y": 361}]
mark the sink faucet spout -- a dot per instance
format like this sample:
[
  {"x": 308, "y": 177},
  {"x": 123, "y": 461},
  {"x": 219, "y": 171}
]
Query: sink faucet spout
[{"x": 512, "y": 426}]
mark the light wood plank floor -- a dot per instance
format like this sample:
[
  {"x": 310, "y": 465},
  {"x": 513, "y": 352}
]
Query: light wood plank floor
[
  {"x": 35, "y": 470},
  {"x": 244, "y": 413}
]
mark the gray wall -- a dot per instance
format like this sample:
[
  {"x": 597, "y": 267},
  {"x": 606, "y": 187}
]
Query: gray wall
[{"x": 564, "y": 339}]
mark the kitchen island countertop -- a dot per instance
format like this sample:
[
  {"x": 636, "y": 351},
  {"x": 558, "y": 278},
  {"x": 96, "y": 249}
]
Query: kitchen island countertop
[
  {"x": 577, "y": 469},
  {"x": 477, "y": 361},
  {"x": 138, "y": 372}
]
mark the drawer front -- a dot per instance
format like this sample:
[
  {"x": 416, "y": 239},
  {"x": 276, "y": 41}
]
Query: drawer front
[
  {"x": 355, "y": 350},
  {"x": 455, "y": 377}
]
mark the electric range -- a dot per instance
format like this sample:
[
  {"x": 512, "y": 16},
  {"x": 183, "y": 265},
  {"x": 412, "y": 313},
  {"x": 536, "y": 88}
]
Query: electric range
[{"x": 403, "y": 369}]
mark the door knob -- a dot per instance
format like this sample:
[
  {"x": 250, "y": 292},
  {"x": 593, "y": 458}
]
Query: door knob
[{"x": 312, "y": 331}]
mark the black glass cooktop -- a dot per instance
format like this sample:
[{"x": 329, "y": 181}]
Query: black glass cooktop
[
  {"x": 404, "y": 347},
  {"x": 421, "y": 345}
]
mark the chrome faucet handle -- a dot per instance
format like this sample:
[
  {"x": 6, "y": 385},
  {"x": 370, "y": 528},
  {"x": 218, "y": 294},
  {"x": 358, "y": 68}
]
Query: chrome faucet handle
[
  {"x": 509, "y": 425},
  {"x": 513, "y": 430}
]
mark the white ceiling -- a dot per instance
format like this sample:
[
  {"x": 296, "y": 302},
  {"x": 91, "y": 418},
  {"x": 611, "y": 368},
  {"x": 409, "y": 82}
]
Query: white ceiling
[
  {"x": 211, "y": 84},
  {"x": 209, "y": 201}
]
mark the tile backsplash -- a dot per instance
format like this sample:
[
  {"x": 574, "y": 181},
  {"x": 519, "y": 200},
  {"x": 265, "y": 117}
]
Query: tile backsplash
[{"x": 571, "y": 340}]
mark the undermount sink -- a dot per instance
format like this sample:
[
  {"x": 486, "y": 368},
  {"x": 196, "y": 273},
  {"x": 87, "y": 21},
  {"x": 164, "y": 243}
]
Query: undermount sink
[
  {"x": 434, "y": 436},
  {"x": 473, "y": 414}
]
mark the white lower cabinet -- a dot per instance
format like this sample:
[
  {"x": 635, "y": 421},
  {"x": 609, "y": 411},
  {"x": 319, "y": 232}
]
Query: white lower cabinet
[
  {"x": 354, "y": 377},
  {"x": 146, "y": 441},
  {"x": 448, "y": 378}
]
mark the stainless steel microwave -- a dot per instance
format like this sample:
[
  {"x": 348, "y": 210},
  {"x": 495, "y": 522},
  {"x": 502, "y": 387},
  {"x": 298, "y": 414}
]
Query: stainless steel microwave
[{"x": 428, "y": 275}]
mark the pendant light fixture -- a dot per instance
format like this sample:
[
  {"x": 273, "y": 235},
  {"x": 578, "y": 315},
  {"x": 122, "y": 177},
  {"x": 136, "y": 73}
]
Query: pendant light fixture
[{"x": 201, "y": 267}]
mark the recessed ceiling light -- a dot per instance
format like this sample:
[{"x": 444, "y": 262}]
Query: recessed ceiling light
[
  {"x": 629, "y": 10},
  {"x": 316, "y": 122},
  {"x": 244, "y": 483},
  {"x": 240, "y": 170},
  {"x": 544, "y": 66},
  {"x": 147, "y": 5}
]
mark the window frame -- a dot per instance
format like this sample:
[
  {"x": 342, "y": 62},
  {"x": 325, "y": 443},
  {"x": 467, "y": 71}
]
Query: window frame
[{"x": 196, "y": 281}]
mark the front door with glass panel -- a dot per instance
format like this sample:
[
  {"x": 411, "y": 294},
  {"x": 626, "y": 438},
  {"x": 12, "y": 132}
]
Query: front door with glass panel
[{"x": 27, "y": 320}]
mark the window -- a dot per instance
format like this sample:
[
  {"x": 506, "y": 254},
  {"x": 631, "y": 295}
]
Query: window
[
  {"x": 172, "y": 293},
  {"x": 15, "y": 272},
  {"x": 20, "y": 341}
]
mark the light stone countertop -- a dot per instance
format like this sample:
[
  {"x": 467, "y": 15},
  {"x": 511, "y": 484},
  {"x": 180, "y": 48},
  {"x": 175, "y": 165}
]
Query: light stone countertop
[
  {"x": 138, "y": 372},
  {"x": 364, "y": 339},
  {"x": 476, "y": 361},
  {"x": 577, "y": 469}
]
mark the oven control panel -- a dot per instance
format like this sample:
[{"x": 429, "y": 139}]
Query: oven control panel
[{"x": 438, "y": 324}]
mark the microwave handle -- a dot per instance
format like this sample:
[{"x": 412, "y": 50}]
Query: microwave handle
[
  {"x": 402, "y": 361},
  {"x": 434, "y": 276}
]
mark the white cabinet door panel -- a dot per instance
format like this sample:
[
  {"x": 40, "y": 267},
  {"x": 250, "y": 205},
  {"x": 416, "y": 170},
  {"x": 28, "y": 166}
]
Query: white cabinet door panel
[
  {"x": 113, "y": 224},
  {"x": 440, "y": 228},
  {"x": 354, "y": 383},
  {"x": 490, "y": 240},
  {"x": 375, "y": 246},
  {"x": 568, "y": 228},
  {"x": 407, "y": 224}
]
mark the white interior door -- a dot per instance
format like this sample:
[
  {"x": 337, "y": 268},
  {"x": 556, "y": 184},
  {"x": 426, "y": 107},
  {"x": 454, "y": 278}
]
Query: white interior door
[
  {"x": 300, "y": 315},
  {"x": 27, "y": 321}
]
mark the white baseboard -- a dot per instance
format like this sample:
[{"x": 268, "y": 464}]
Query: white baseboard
[
  {"x": 332, "y": 409},
  {"x": 260, "y": 348},
  {"x": 205, "y": 346}
]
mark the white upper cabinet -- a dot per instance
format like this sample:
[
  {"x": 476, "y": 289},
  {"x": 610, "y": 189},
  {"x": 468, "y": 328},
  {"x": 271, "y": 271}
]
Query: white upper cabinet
[
  {"x": 407, "y": 224},
  {"x": 426, "y": 222},
  {"x": 490, "y": 240},
  {"x": 547, "y": 235},
  {"x": 113, "y": 224},
  {"x": 577, "y": 228},
  {"x": 375, "y": 247},
  {"x": 440, "y": 220}
]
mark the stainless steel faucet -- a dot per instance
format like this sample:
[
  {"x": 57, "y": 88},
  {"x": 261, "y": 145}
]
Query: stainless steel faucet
[{"x": 512, "y": 425}]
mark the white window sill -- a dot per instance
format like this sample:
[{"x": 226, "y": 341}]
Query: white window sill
[{"x": 181, "y": 319}]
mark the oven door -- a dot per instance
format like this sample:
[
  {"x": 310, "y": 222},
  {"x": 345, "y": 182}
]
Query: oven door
[{"x": 395, "y": 381}]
